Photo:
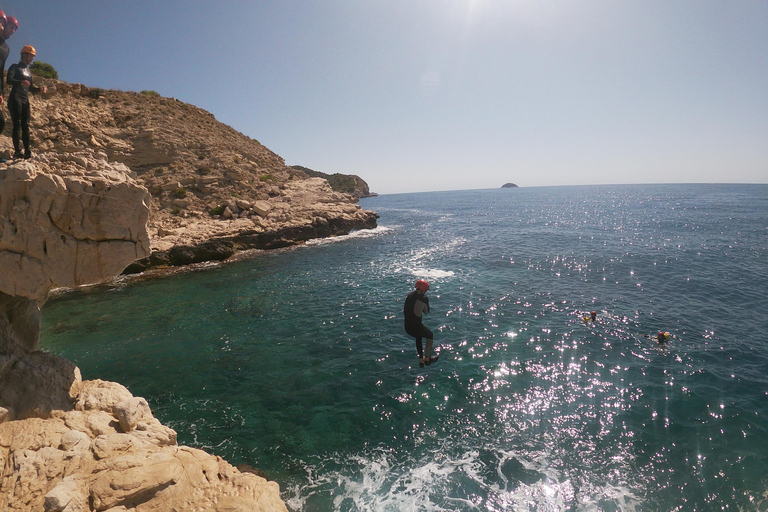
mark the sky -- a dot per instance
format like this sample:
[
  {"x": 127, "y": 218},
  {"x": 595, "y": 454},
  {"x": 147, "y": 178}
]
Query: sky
[{"x": 425, "y": 95}]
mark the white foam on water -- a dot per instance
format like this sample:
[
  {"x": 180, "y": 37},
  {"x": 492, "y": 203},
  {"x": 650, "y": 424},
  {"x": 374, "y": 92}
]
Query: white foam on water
[
  {"x": 430, "y": 273},
  {"x": 352, "y": 235},
  {"x": 417, "y": 263},
  {"x": 437, "y": 483},
  {"x": 379, "y": 485}
]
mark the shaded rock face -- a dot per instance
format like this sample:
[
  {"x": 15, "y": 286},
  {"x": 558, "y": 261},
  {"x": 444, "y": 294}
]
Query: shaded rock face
[
  {"x": 20, "y": 322},
  {"x": 68, "y": 220}
]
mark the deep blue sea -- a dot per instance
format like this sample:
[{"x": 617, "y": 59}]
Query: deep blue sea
[{"x": 295, "y": 361}]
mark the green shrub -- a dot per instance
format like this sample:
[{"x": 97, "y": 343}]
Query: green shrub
[
  {"x": 268, "y": 177},
  {"x": 179, "y": 193},
  {"x": 97, "y": 93},
  {"x": 150, "y": 93},
  {"x": 218, "y": 210},
  {"x": 44, "y": 70}
]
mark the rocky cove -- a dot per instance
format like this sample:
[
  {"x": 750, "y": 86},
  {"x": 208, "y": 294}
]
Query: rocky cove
[{"x": 132, "y": 181}]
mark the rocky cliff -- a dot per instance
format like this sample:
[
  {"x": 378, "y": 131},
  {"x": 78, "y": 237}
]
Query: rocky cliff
[
  {"x": 213, "y": 190},
  {"x": 69, "y": 445},
  {"x": 118, "y": 180},
  {"x": 126, "y": 179},
  {"x": 350, "y": 184}
]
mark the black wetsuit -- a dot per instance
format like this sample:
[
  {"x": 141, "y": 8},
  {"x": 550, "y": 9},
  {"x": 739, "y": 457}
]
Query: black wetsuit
[
  {"x": 413, "y": 325},
  {"x": 18, "y": 105},
  {"x": 4, "y": 51}
]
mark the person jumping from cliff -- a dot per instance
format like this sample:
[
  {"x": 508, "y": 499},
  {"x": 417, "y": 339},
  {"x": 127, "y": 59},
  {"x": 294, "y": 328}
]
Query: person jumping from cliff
[
  {"x": 416, "y": 305},
  {"x": 20, "y": 78},
  {"x": 8, "y": 25}
]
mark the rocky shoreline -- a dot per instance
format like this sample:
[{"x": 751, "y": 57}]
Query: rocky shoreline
[
  {"x": 122, "y": 182},
  {"x": 69, "y": 445},
  {"x": 306, "y": 210},
  {"x": 219, "y": 249},
  {"x": 212, "y": 190}
]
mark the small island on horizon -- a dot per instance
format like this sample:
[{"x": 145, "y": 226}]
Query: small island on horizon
[{"x": 509, "y": 185}]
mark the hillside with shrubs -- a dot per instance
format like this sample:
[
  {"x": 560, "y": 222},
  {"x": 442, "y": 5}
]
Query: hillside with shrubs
[{"x": 197, "y": 169}]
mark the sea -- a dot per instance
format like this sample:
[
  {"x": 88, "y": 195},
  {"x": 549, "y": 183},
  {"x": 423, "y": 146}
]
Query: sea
[{"x": 295, "y": 361}]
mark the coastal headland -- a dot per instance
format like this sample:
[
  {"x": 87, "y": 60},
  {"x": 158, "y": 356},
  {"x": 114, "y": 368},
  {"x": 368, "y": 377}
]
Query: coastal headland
[
  {"x": 214, "y": 191},
  {"x": 129, "y": 180}
]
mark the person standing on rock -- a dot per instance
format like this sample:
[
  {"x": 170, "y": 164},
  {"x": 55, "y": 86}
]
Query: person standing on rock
[
  {"x": 20, "y": 78},
  {"x": 8, "y": 25},
  {"x": 416, "y": 305}
]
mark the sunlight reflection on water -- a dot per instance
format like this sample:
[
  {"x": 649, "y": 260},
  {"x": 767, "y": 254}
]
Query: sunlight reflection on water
[{"x": 296, "y": 362}]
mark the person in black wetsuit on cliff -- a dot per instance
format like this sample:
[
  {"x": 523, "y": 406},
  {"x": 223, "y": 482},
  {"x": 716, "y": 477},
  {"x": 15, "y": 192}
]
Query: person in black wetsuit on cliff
[
  {"x": 416, "y": 305},
  {"x": 20, "y": 78},
  {"x": 8, "y": 25}
]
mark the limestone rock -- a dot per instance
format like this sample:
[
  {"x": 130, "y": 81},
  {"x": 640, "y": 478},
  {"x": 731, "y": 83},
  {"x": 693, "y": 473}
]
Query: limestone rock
[
  {"x": 20, "y": 322},
  {"x": 66, "y": 496},
  {"x": 262, "y": 208},
  {"x": 99, "y": 395},
  {"x": 62, "y": 464},
  {"x": 192, "y": 163},
  {"x": 305, "y": 209},
  {"x": 75, "y": 440},
  {"x": 68, "y": 220},
  {"x": 130, "y": 411}
]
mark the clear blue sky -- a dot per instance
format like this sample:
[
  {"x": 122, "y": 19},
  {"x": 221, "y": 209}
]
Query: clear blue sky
[{"x": 417, "y": 95}]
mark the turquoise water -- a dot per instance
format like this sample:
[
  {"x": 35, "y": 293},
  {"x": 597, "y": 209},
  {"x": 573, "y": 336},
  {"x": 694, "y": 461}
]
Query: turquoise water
[{"x": 295, "y": 362}]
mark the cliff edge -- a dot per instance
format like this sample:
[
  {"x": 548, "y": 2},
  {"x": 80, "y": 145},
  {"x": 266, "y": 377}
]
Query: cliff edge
[
  {"x": 213, "y": 190},
  {"x": 69, "y": 445}
]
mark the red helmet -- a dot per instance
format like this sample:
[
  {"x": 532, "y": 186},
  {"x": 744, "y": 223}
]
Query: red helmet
[
  {"x": 3, "y": 17},
  {"x": 422, "y": 285},
  {"x": 10, "y": 20}
]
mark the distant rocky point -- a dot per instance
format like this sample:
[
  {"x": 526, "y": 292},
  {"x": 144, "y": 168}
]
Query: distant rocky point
[
  {"x": 509, "y": 185},
  {"x": 345, "y": 183}
]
